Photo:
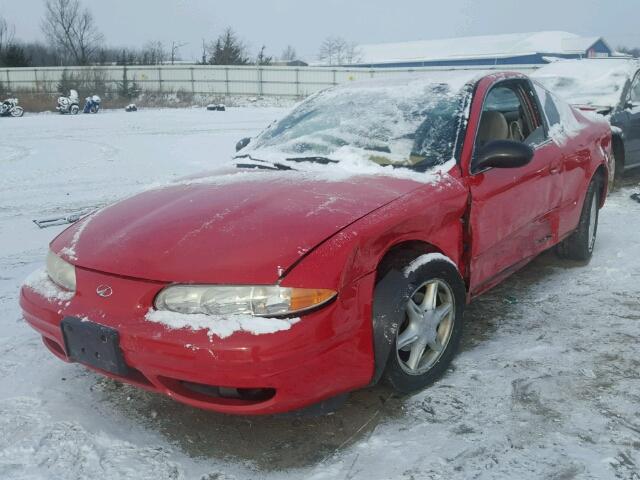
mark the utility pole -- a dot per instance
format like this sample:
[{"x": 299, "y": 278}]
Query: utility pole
[{"x": 174, "y": 50}]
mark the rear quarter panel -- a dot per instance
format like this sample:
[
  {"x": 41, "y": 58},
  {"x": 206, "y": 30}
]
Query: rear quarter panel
[{"x": 585, "y": 151}]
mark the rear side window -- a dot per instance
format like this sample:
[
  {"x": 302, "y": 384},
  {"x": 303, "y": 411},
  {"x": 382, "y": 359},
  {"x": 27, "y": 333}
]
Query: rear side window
[
  {"x": 548, "y": 105},
  {"x": 561, "y": 117}
]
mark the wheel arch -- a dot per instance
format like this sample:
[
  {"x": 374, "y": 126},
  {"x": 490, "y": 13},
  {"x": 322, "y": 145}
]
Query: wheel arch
[
  {"x": 401, "y": 249},
  {"x": 387, "y": 305}
]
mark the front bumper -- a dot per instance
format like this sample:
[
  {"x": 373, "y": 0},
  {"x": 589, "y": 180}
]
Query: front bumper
[{"x": 327, "y": 353}]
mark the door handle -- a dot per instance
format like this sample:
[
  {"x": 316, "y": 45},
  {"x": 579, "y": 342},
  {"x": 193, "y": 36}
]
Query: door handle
[{"x": 554, "y": 170}]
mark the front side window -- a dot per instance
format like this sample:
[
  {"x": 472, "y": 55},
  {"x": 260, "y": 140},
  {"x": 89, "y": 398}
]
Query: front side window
[{"x": 508, "y": 114}]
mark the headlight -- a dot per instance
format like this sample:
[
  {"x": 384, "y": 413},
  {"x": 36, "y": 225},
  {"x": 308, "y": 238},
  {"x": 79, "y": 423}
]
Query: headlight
[
  {"x": 60, "y": 272},
  {"x": 260, "y": 301}
]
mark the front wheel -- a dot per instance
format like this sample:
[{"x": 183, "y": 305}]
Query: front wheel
[
  {"x": 428, "y": 337},
  {"x": 74, "y": 110},
  {"x": 17, "y": 112},
  {"x": 580, "y": 244}
]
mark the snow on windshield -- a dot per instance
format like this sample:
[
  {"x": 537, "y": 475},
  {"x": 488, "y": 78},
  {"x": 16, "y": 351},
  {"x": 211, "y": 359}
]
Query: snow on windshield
[
  {"x": 597, "y": 82},
  {"x": 411, "y": 122}
]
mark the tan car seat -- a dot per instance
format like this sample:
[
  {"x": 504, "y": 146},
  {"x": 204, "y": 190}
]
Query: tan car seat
[{"x": 493, "y": 126}]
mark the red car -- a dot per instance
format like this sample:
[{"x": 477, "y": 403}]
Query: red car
[{"x": 338, "y": 249}]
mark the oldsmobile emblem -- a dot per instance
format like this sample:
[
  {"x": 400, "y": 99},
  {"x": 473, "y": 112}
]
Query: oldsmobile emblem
[{"x": 104, "y": 291}]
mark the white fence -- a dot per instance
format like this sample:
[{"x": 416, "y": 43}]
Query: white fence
[{"x": 208, "y": 80}]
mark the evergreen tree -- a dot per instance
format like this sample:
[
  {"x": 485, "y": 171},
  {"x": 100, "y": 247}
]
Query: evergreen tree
[
  {"x": 14, "y": 55},
  {"x": 128, "y": 89},
  {"x": 228, "y": 49}
]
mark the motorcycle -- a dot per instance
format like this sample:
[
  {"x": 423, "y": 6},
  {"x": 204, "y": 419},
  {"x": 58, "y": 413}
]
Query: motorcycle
[
  {"x": 92, "y": 104},
  {"x": 10, "y": 108},
  {"x": 69, "y": 104}
]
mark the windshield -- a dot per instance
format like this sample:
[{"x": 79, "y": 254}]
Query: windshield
[{"x": 410, "y": 124}]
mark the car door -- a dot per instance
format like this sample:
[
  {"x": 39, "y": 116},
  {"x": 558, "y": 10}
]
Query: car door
[
  {"x": 630, "y": 123},
  {"x": 513, "y": 214}
]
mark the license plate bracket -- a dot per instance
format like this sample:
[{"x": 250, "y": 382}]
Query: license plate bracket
[{"x": 94, "y": 345}]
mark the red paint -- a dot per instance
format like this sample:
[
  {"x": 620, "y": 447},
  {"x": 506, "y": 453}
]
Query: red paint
[{"x": 312, "y": 233}]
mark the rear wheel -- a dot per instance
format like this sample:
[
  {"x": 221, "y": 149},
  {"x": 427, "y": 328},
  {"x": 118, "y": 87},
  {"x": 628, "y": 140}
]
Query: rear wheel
[
  {"x": 617, "y": 161},
  {"x": 74, "y": 110},
  {"x": 613, "y": 171},
  {"x": 428, "y": 337},
  {"x": 580, "y": 244}
]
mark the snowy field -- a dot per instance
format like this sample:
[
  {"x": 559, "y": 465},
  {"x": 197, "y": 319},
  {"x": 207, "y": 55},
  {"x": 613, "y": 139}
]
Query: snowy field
[{"x": 547, "y": 385}]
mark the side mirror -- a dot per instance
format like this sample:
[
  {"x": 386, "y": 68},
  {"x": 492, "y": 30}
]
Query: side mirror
[
  {"x": 503, "y": 154},
  {"x": 242, "y": 143}
]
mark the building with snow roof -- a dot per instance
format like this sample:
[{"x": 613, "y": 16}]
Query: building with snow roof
[{"x": 509, "y": 49}]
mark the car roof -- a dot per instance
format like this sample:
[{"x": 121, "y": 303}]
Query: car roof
[
  {"x": 598, "y": 82},
  {"x": 456, "y": 79}
]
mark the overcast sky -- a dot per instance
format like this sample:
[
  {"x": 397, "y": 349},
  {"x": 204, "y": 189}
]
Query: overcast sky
[{"x": 304, "y": 24}]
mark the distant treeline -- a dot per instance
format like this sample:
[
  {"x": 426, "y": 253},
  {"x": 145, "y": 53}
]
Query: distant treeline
[{"x": 73, "y": 39}]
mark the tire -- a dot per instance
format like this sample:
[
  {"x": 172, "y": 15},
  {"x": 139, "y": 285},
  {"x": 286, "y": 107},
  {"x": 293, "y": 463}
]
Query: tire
[
  {"x": 618, "y": 155},
  {"x": 580, "y": 244},
  {"x": 437, "y": 334},
  {"x": 74, "y": 109},
  {"x": 617, "y": 167},
  {"x": 613, "y": 172}
]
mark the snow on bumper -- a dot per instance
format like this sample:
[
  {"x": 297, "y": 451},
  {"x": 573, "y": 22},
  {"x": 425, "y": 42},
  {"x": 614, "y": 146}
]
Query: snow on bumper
[
  {"x": 221, "y": 327},
  {"x": 326, "y": 353}
]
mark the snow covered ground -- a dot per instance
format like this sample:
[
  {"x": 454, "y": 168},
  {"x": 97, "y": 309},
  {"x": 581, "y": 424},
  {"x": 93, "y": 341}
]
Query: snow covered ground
[{"x": 547, "y": 384}]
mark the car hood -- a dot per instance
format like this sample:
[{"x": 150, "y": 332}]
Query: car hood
[{"x": 234, "y": 228}]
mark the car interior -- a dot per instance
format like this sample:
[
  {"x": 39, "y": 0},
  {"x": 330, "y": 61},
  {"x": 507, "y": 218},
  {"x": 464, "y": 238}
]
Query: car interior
[{"x": 505, "y": 117}]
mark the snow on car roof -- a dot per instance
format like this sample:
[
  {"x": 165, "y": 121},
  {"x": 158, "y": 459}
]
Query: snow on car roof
[
  {"x": 597, "y": 82},
  {"x": 456, "y": 79}
]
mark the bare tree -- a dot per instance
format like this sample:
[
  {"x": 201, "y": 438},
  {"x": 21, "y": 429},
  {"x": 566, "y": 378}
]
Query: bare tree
[
  {"x": 71, "y": 30},
  {"x": 338, "y": 51},
  {"x": 289, "y": 54},
  {"x": 7, "y": 33},
  {"x": 153, "y": 53},
  {"x": 263, "y": 58},
  {"x": 352, "y": 53},
  {"x": 329, "y": 51},
  {"x": 174, "y": 50}
]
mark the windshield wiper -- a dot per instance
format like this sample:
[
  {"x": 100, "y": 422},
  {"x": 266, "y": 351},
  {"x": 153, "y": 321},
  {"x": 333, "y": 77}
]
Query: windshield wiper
[
  {"x": 276, "y": 166},
  {"x": 267, "y": 165},
  {"x": 321, "y": 160}
]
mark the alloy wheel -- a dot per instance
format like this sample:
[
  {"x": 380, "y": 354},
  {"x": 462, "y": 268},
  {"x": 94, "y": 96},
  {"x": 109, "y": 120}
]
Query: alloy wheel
[{"x": 427, "y": 329}]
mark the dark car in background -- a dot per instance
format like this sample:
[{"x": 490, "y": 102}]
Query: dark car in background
[{"x": 607, "y": 86}]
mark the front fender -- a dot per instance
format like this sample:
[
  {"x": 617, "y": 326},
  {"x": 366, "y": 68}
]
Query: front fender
[{"x": 432, "y": 214}]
